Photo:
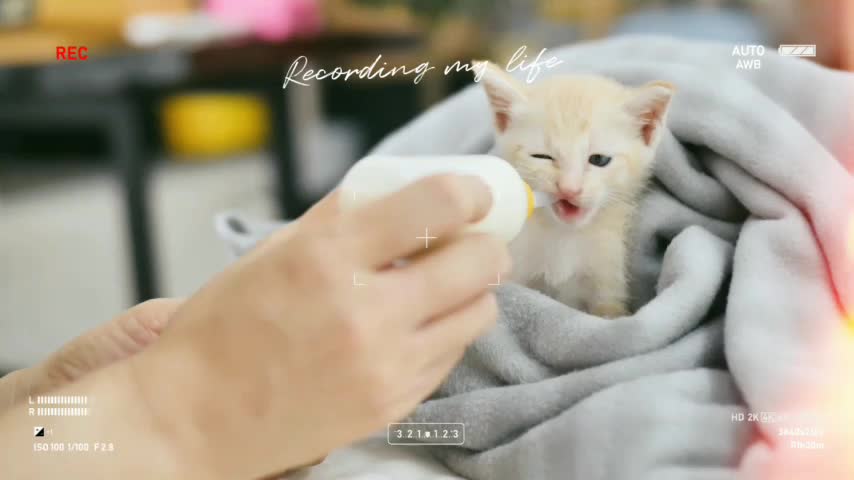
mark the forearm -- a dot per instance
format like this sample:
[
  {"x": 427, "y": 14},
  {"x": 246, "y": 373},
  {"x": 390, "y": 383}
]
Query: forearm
[
  {"x": 165, "y": 413},
  {"x": 16, "y": 386},
  {"x": 13, "y": 388},
  {"x": 115, "y": 439}
]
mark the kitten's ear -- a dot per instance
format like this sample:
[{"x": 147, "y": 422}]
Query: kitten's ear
[
  {"x": 649, "y": 105},
  {"x": 505, "y": 93}
]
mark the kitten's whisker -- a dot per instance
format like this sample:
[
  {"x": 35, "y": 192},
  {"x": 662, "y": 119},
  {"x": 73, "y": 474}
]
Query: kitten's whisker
[
  {"x": 614, "y": 200},
  {"x": 620, "y": 197}
]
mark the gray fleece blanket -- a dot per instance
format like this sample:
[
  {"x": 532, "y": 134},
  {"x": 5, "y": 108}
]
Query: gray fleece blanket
[{"x": 742, "y": 271}]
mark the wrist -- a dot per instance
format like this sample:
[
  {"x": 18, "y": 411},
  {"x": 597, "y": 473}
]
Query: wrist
[
  {"x": 203, "y": 398},
  {"x": 121, "y": 414},
  {"x": 159, "y": 401}
]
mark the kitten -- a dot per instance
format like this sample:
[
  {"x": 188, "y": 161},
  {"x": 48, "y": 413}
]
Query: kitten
[{"x": 590, "y": 142}]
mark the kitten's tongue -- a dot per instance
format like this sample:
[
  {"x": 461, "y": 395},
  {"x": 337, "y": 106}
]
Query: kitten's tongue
[{"x": 566, "y": 210}]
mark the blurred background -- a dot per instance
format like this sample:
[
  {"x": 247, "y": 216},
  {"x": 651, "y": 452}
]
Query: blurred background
[{"x": 115, "y": 158}]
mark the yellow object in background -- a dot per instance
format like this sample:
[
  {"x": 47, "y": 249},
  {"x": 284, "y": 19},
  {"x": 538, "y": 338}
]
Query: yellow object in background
[
  {"x": 214, "y": 124},
  {"x": 594, "y": 17}
]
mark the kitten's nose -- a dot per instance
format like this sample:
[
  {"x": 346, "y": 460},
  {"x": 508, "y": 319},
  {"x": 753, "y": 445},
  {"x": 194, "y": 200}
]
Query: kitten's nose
[
  {"x": 569, "y": 186},
  {"x": 569, "y": 192}
]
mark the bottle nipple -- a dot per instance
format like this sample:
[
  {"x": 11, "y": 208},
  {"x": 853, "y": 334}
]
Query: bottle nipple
[
  {"x": 536, "y": 199},
  {"x": 532, "y": 202}
]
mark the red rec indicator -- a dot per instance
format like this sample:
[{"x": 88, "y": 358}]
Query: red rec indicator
[{"x": 72, "y": 52}]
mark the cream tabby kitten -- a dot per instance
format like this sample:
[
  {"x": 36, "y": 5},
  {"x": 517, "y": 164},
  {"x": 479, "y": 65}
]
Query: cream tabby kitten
[{"x": 590, "y": 142}]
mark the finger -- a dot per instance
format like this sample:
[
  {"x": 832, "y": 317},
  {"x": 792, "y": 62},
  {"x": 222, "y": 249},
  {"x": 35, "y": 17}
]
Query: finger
[
  {"x": 144, "y": 323},
  {"x": 424, "y": 386},
  {"x": 451, "y": 333},
  {"x": 439, "y": 282},
  {"x": 326, "y": 208},
  {"x": 433, "y": 378},
  {"x": 437, "y": 206},
  {"x": 438, "y": 347},
  {"x": 118, "y": 339}
]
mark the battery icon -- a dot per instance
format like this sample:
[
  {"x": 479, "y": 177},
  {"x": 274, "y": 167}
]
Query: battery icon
[{"x": 797, "y": 50}]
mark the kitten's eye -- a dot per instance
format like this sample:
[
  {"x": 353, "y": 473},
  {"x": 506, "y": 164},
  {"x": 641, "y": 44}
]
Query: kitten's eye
[
  {"x": 542, "y": 155},
  {"x": 599, "y": 160}
]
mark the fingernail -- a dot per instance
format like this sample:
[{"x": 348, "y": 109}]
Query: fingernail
[{"x": 507, "y": 264}]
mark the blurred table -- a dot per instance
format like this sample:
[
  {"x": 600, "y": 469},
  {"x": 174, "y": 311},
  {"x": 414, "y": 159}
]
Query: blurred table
[{"x": 110, "y": 93}]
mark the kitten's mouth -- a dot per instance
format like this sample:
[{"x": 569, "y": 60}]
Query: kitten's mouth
[{"x": 566, "y": 210}]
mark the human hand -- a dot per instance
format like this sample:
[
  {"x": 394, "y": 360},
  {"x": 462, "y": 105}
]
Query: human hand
[
  {"x": 113, "y": 341},
  {"x": 311, "y": 341}
]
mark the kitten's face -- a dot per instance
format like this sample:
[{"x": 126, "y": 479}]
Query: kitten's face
[{"x": 587, "y": 140}]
